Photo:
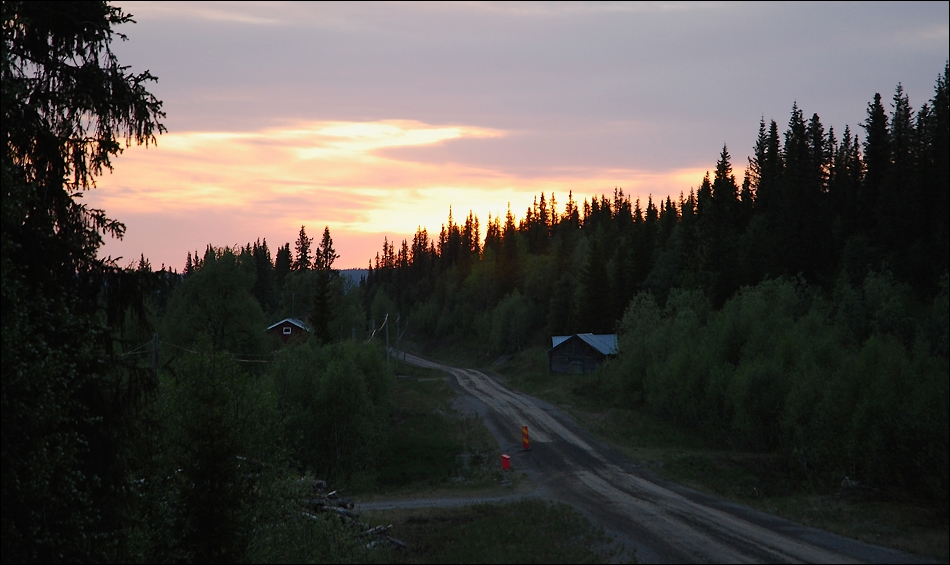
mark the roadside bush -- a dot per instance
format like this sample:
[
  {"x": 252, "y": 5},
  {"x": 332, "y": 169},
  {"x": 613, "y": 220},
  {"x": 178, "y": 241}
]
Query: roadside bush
[
  {"x": 335, "y": 401},
  {"x": 218, "y": 443},
  {"x": 511, "y": 322},
  {"x": 229, "y": 447}
]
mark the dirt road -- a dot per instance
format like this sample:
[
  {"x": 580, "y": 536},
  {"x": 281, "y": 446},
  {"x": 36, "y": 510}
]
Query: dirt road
[{"x": 663, "y": 522}]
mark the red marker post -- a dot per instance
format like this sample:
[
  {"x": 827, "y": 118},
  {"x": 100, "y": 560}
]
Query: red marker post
[
  {"x": 524, "y": 438},
  {"x": 506, "y": 462}
]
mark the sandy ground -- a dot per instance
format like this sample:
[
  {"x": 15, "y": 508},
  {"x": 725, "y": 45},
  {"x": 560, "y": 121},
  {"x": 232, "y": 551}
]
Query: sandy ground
[{"x": 660, "y": 521}]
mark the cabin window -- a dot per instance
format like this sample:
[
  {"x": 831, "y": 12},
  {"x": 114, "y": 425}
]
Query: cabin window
[{"x": 287, "y": 330}]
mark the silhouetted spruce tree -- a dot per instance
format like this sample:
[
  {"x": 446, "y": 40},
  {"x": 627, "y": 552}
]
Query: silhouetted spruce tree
[
  {"x": 704, "y": 229},
  {"x": 469, "y": 243},
  {"x": 770, "y": 171},
  {"x": 725, "y": 192},
  {"x": 897, "y": 206},
  {"x": 422, "y": 256},
  {"x": 877, "y": 160},
  {"x": 746, "y": 202},
  {"x": 566, "y": 233},
  {"x": 651, "y": 223},
  {"x": 71, "y": 406},
  {"x": 757, "y": 160},
  {"x": 669, "y": 217},
  {"x": 817, "y": 240},
  {"x": 198, "y": 261},
  {"x": 571, "y": 220},
  {"x": 644, "y": 230},
  {"x": 321, "y": 315},
  {"x": 764, "y": 249},
  {"x": 325, "y": 255},
  {"x": 688, "y": 209},
  {"x": 748, "y": 268},
  {"x": 493, "y": 235},
  {"x": 508, "y": 268},
  {"x": 303, "y": 246},
  {"x": 637, "y": 260},
  {"x": 264, "y": 290},
  {"x": 283, "y": 264},
  {"x": 933, "y": 130},
  {"x": 402, "y": 276},
  {"x": 844, "y": 186},
  {"x": 534, "y": 227},
  {"x": 796, "y": 223},
  {"x": 719, "y": 232}
]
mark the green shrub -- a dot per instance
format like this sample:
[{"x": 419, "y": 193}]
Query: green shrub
[
  {"x": 854, "y": 384},
  {"x": 335, "y": 400},
  {"x": 218, "y": 434}
]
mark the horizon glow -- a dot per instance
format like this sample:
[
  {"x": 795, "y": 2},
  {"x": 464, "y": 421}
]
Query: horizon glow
[{"x": 268, "y": 183}]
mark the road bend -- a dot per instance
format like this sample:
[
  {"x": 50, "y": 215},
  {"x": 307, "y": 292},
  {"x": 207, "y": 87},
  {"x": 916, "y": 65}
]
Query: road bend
[{"x": 664, "y": 523}]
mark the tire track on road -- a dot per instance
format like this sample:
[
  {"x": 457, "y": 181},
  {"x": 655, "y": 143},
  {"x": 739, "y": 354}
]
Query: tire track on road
[{"x": 665, "y": 525}]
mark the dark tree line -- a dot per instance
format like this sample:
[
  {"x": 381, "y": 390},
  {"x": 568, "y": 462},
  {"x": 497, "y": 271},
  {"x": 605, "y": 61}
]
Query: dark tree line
[
  {"x": 809, "y": 205},
  {"x": 280, "y": 282}
]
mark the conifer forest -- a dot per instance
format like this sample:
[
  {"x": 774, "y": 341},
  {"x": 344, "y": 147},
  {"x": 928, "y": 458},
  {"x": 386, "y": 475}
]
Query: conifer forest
[
  {"x": 795, "y": 305},
  {"x": 803, "y": 310}
]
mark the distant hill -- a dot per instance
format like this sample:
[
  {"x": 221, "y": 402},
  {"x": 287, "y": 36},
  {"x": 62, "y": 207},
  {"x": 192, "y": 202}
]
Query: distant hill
[{"x": 354, "y": 274}]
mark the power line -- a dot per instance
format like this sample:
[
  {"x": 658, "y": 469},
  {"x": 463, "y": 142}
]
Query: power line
[
  {"x": 236, "y": 355},
  {"x": 136, "y": 350},
  {"x": 381, "y": 326}
]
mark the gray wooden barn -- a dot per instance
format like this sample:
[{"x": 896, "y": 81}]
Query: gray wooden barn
[{"x": 580, "y": 353}]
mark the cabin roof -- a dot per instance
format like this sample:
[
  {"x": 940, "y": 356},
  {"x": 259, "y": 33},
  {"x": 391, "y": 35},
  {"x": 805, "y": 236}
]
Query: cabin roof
[
  {"x": 295, "y": 321},
  {"x": 604, "y": 343}
]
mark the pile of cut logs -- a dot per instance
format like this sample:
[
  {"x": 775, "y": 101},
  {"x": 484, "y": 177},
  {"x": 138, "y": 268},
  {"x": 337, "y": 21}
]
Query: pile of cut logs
[{"x": 320, "y": 501}]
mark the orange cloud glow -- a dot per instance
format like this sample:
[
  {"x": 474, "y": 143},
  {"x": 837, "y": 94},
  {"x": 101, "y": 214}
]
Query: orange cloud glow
[{"x": 229, "y": 188}]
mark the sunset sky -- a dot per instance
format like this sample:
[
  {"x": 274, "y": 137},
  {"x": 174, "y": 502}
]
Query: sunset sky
[{"x": 373, "y": 119}]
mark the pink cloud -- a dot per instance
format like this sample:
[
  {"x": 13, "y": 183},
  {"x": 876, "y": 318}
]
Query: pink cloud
[{"x": 231, "y": 188}]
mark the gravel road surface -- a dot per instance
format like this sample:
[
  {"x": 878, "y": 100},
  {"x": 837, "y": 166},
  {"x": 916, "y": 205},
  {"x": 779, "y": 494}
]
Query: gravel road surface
[{"x": 661, "y": 521}]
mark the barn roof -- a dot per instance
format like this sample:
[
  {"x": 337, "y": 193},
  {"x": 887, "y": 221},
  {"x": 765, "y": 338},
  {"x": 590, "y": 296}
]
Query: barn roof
[
  {"x": 295, "y": 321},
  {"x": 605, "y": 343}
]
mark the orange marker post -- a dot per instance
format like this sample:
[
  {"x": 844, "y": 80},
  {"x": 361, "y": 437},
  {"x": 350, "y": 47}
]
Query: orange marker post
[{"x": 524, "y": 438}]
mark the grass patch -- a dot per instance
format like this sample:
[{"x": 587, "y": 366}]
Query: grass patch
[
  {"x": 528, "y": 531},
  {"x": 430, "y": 445},
  {"x": 908, "y": 526},
  {"x": 762, "y": 481},
  {"x": 423, "y": 451}
]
